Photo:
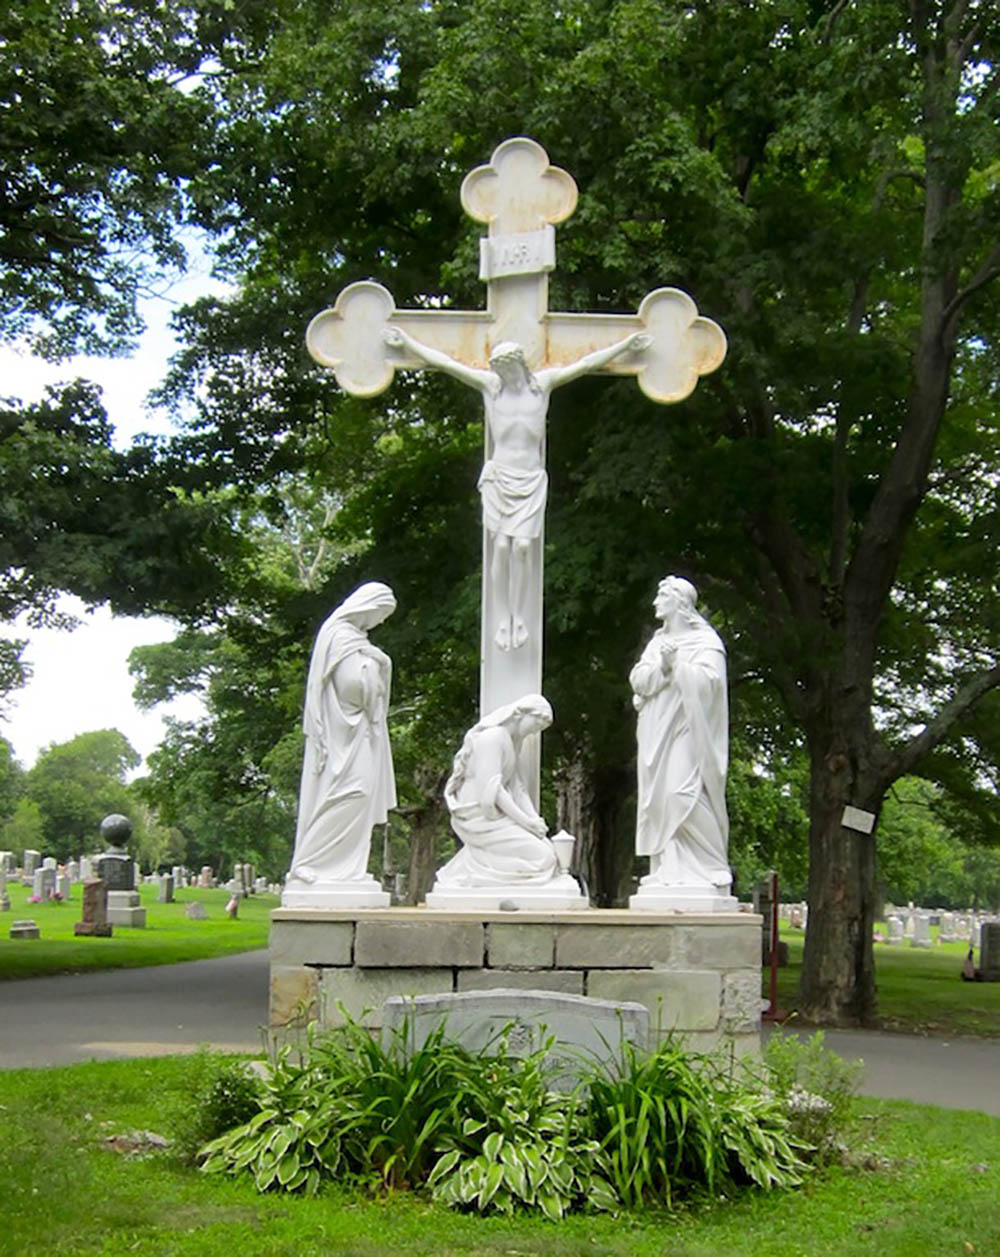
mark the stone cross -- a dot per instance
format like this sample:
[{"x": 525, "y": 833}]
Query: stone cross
[{"x": 364, "y": 338}]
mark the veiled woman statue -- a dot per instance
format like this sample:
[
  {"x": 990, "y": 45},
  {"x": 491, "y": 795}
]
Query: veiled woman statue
[
  {"x": 505, "y": 848},
  {"x": 347, "y": 777},
  {"x": 679, "y": 691}
]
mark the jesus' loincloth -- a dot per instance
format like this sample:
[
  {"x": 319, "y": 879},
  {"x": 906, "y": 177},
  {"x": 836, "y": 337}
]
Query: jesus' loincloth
[{"x": 513, "y": 499}]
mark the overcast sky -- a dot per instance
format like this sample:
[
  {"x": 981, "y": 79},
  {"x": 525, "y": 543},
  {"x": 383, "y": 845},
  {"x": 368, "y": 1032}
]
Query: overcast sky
[{"x": 80, "y": 679}]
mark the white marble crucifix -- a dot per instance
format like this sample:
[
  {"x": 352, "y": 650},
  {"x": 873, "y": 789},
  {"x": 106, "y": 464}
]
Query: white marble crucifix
[{"x": 514, "y": 353}]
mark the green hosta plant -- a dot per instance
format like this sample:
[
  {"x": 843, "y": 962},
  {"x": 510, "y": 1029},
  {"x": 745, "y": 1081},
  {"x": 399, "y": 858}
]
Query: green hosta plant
[{"x": 520, "y": 1145}]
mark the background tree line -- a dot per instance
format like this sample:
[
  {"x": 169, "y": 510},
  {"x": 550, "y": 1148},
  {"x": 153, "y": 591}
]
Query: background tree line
[{"x": 821, "y": 176}]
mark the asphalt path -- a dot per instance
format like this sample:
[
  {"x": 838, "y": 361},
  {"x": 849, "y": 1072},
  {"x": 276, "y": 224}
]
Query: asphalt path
[{"x": 222, "y": 1004}]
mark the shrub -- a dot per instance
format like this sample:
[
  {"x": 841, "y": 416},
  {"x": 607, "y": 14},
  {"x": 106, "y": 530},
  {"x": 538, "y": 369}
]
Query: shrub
[
  {"x": 225, "y": 1093},
  {"x": 816, "y": 1087}
]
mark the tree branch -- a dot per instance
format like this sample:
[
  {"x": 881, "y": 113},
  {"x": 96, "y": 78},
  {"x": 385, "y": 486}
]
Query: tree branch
[
  {"x": 989, "y": 271},
  {"x": 936, "y": 730}
]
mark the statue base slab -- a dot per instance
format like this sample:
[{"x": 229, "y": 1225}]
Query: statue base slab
[
  {"x": 335, "y": 896},
  {"x": 654, "y": 898},
  {"x": 562, "y": 894},
  {"x": 698, "y": 974}
]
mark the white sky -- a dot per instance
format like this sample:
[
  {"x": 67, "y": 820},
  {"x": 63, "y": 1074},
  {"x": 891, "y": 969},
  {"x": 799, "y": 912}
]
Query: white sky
[{"x": 80, "y": 680}]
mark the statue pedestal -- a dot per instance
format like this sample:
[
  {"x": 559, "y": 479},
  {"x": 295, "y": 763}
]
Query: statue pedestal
[
  {"x": 562, "y": 894},
  {"x": 656, "y": 898},
  {"x": 697, "y": 974},
  {"x": 335, "y": 896}
]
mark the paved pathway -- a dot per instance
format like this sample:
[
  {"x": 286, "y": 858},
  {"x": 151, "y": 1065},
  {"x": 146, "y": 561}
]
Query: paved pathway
[
  {"x": 223, "y": 1003},
  {"x": 134, "y": 1012},
  {"x": 957, "y": 1073}
]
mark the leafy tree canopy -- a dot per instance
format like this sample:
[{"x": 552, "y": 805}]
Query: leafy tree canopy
[
  {"x": 76, "y": 784},
  {"x": 823, "y": 178}
]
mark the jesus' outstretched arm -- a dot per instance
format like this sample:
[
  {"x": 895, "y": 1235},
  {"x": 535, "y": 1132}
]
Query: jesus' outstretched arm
[
  {"x": 396, "y": 338},
  {"x": 552, "y": 377}
]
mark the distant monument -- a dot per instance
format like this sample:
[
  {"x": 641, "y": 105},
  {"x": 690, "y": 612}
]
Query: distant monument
[{"x": 116, "y": 870}]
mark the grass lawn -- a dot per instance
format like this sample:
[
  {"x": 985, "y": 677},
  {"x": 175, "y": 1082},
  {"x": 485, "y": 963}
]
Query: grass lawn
[
  {"x": 926, "y": 1181},
  {"x": 169, "y": 936},
  {"x": 919, "y": 990}
]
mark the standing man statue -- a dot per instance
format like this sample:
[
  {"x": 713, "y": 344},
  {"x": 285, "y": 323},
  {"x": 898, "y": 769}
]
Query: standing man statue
[
  {"x": 513, "y": 483},
  {"x": 679, "y": 691}
]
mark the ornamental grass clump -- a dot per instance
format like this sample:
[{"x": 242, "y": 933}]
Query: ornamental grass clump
[{"x": 671, "y": 1124}]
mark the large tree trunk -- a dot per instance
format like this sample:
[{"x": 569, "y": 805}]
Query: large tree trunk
[
  {"x": 590, "y": 803},
  {"x": 427, "y": 825},
  {"x": 838, "y": 972}
]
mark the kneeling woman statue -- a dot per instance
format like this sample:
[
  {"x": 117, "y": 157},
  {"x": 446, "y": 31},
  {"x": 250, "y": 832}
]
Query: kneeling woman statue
[{"x": 505, "y": 849}]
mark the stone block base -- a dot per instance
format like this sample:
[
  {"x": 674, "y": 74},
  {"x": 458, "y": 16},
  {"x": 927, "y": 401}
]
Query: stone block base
[
  {"x": 697, "y": 974},
  {"x": 124, "y": 909},
  {"x": 93, "y": 929}
]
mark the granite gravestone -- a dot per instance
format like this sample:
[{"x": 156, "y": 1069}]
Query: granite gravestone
[
  {"x": 25, "y": 929},
  {"x": 31, "y": 860},
  {"x": 989, "y": 954},
  {"x": 166, "y": 888},
  {"x": 95, "y": 910},
  {"x": 583, "y": 1030},
  {"x": 921, "y": 931}
]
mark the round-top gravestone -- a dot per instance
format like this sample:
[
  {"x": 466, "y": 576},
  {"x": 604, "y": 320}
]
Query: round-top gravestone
[{"x": 114, "y": 866}]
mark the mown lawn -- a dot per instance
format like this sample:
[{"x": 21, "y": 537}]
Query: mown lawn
[
  {"x": 169, "y": 935},
  {"x": 922, "y": 1181},
  {"x": 919, "y": 990}
]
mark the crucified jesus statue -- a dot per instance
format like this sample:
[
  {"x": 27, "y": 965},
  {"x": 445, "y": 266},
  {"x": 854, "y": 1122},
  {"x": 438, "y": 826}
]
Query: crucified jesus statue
[{"x": 513, "y": 483}]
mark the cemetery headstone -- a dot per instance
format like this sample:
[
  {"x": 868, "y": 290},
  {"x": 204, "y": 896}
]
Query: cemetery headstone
[
  {"x": 63, "y": 885},
  {"x": 95, "y": 910},
  {"x": 86, "y": 868},
  {"x": 31, "y": 861},
  {"x": 25, "y": 929},
  {"x": 73, "y": 870},
  {"x": 7, "y": 862},
  {"x": 921, "y": 931},
  {"x": 50, "y": 862},
  {"x": 233, "y": 906},
  {"x": 196, "y": 912},
  {"x": 44, "y": 884},
  {"x": 989, "y": 953},
  {"x": 205, "y": 878},
  {"x": 4, "y": 894},
  {"x": 895, "y": 925},
  {"x": 166, "y": 888},
  {"x": 584, "y": 1029}
]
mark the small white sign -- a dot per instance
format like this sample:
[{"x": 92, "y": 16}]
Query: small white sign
[
  {"x": 856, "y": 818},
  {"x": 524, "y": 253}
]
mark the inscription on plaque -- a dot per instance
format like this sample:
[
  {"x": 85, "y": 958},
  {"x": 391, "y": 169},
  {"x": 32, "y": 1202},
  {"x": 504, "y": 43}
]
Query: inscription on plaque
[{"x": 524, "y": 253}]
